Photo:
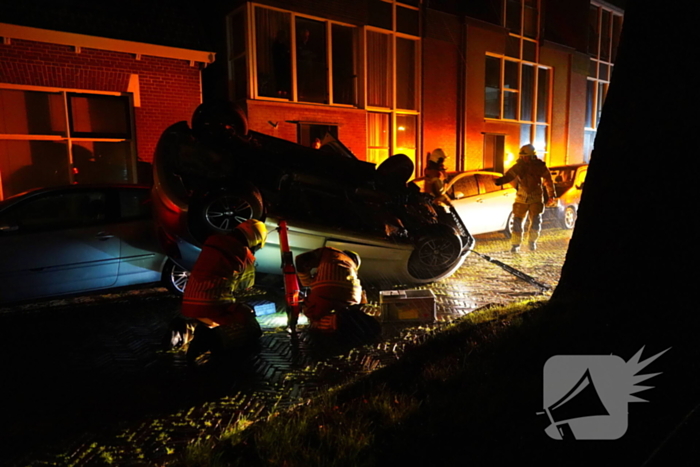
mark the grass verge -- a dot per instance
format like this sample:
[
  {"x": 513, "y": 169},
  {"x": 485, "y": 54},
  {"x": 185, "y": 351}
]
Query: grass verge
[{"x": 470, "y": 396}]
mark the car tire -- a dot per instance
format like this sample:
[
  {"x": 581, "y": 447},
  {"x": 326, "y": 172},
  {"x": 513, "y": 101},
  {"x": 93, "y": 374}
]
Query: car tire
[
  {"x": 436, "y": 251},
  {"x": 568, "y": 220},
  {"x": 223, "y": 210},
  {"x": 175, "y": 277}
]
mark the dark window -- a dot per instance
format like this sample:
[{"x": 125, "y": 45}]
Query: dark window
[
  {"x": 311, "y": 61},
  {"x": 527, "y": 93},
  {"x": 61, "y": 211},
  {"x": 530, "y": 19},
  {"x": 492, "y": 97},
  {"x": 380, "y": 14},
  {"x": 273, "y": 54},
  {"x": 513, "y": 16},
  {"x": 542, "y": 95},
  {"x": 593, "y": 31},
  {"x": 135, "y": 204},
  {"x": 407, "y": 21},
  {"x": 405, "y": 73},
  {"x": 605, "y": 36},
  {"x": 590, "y": 102},
  {"x": 344, "y": 77}
]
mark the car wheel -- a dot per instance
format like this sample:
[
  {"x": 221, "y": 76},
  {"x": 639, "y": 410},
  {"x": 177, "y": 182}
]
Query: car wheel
[
  {"x": 434, "y": 253},
  {"x": 175, "y": 277},
  {"x": 569, "y": 219},
  {"x": 222, "y": 211}
]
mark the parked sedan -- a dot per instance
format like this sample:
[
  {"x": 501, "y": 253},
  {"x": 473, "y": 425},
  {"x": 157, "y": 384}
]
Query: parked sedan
[
  {"x": 568, "y": 185},
  {"x": 80, "y": 238},
  {"x": 211, "y": 177},
  {"x": 482, "y": 205}
]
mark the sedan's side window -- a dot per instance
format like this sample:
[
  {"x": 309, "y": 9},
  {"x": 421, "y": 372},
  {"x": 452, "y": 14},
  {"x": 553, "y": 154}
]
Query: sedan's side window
[
  {"x": 464, "y": 187},
  {"x": 487, "y": 183},
  {"x": 60, "y": 211},
  {"x": 135, "y": 204}
]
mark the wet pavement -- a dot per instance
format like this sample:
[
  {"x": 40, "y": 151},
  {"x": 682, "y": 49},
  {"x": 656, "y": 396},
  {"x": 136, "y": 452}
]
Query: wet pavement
[{"x": 89, "y": 384}]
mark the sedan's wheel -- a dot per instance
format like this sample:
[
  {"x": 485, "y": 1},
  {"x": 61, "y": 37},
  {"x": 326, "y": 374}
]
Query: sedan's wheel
[
  {"x": 222, "y": 211},
  {"x": 434, "y": 255},
  {"x": 175, "y": 278},
  {"x": 227, "y": 211},
  {"x": 569, "y": 219}
]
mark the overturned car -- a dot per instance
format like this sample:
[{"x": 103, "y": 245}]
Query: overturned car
[{"x": 216, "y": 174}]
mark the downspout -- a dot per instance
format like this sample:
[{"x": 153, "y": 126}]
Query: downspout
[{"x": 461, "y": 143}]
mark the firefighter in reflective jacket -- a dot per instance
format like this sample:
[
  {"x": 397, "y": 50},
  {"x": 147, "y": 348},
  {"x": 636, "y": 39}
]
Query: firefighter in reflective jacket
[
  {"x": 530, "y": 174},
  {"x": 435, "y": 176},
  {"x": 225, "y": 267},
  {"x": 332, "y": 276}
]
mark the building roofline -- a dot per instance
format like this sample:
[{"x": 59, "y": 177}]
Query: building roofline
[{"x": 13, "y": 31}]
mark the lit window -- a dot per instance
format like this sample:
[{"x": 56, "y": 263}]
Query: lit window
[{"x": 393, "y": 85}]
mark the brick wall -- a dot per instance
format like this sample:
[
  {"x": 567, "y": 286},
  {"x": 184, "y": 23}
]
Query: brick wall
[
  {"x": 352, "y": 123},
  {"x": 169, "y": 88}
]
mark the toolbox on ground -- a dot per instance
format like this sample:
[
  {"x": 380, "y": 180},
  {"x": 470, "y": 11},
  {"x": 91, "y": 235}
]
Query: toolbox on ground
[{"x": 411, "y": 306}]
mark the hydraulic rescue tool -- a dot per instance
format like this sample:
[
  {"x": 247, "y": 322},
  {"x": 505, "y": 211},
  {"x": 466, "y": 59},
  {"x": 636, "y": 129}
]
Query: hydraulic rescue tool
[{"x": 292, "y": 290}]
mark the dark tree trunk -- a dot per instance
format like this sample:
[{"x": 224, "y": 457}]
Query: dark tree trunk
[{"x": 636, "y": 240}]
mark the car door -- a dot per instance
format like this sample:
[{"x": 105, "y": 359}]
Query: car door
[
  {"x": 463, "y": 191},
  {"x": 496, "y": 202},
  {"x": 57, "y": 244},
  {"x": 141, "y": 256}
]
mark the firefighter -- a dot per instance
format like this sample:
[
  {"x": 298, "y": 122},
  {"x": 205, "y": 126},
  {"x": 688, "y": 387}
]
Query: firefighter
[
  {"x": 530, "y": 174},
  {"x": 435, "y": 172},
  {"x": 332, "y": 304},
  {"x": 225, "y": 267}
]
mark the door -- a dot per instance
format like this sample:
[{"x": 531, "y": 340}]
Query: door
[
  {"x": 496, "y": 202},
  {"x": 464, "y": 195},
  {"x": 494, "y": 152},
  {"x": 56, "y": 243}
]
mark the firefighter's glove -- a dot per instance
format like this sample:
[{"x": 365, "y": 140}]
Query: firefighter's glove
[{"x": 498, "y": 181}]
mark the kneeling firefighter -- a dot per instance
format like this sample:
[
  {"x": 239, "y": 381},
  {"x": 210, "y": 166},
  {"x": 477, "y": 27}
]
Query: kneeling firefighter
[
  {"x": 225, "y": 267},
  {"x": 333, "y": 304}
]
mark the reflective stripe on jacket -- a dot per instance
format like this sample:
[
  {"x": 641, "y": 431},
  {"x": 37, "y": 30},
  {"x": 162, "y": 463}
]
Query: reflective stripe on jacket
[
  {"x": 334, "y": 285},
  {"x": 224, "y": 267}
]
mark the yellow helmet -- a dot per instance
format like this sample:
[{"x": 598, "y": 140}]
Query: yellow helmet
[{"x": 254, "y": 231}]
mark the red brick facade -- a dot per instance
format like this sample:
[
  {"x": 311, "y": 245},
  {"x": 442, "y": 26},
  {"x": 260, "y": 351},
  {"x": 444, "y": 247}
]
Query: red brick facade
[
  {"x": 169, "y": 89},
  {"x": 352, "y": 123}
]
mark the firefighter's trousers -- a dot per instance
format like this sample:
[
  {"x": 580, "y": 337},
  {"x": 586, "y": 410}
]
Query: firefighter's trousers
[{"x": 534, "y": 212}]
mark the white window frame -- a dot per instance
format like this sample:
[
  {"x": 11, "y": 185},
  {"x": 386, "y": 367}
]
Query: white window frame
[
  {"x": 394, "y": 111},
  {"x": 251, "y": 47}
]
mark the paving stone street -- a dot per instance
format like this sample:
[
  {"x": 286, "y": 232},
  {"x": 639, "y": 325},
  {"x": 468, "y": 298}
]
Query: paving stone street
[{"x": 90, "y": 385}]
